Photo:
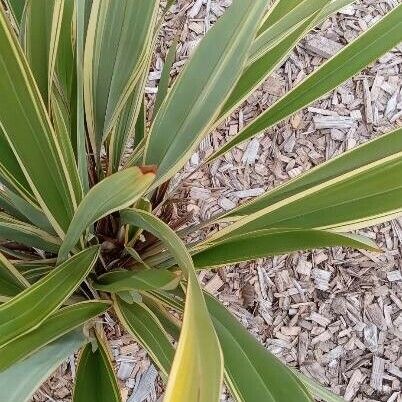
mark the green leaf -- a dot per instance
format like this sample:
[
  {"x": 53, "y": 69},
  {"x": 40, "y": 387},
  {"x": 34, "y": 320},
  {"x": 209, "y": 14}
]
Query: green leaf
[
  {"x": 19, "y": 382},
  {"x": 40, "y": 30},
  {"x": 28, "y": 130},
  {"x": 372, "y": 44},
  {"x": 57, "y": 325},
  {"x": 11, "y": 174},
  {"x": 168, "y": 320},
  {"x": 131, "y": 123},
  {"x": 78, "y": 132},
  {"x": 168, "y": 299},
  {"x": 8, "y": 207},
  {"x": 24, "y": 233},
  {"x": 11, "y": 281},
  {"x": 278, "y": 10},
  {"x": 140, "y": 124},
  {"x": 163, "y": 85},
  {"x": 95, "y": 380},
  {"x": 275, "y": 28},
  {"x": 113, "y": 60},
  {"x": 62, "y": 126},
  {"x": 30, "y": 211},
  {"x": 258, "y": 71},
  {"x": 142, "y": 323},
  {"x": 195, "y": 355},
  {"x": 370, "y": 152},
  {"x": 270, "y": 242},
  {"x": 359, "y": 189},
  {"x": 252, "y": 373},
  {"x": 200, "y": 91},
  {"x": 25, "y": 312},
  {"x": 318, "y": 390},
  {"x": 65, "y": 61},
  {"x": 116, "y": 192},
  {"x": 17, "y": 9},
  {"x": 146, "y": 279},
  {"x": 34, "y": 274}
]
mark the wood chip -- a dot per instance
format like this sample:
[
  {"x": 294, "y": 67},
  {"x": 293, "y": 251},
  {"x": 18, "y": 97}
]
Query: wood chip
[
  {"x": 322, "y": 46},
  {"x": 377, "y": 373}
]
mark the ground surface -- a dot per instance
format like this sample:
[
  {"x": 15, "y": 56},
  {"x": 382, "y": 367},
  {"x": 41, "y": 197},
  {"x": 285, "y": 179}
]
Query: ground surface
[{"x": 336, "y": 314}]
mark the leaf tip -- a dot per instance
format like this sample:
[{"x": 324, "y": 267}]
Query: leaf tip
[{"x": 145, "y": 169}]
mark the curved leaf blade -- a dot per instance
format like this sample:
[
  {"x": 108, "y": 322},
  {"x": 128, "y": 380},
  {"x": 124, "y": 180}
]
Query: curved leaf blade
[
  {"x": 372, "y": 44},
  {"x": 195, "y": 355},
  {"x": 370, "y": 152},
  {"x": 19, "y": 382},
  {"x": 146, "y": 279},
  {"x": 95, "y": 380},
  {"x": 40, "y": 30},
  {"x": 116, "y": 192},
  {"x": 31, "y": 307},
  {"x": 58, "y": 324},
  {"x": 28, "y": 130},
  {"x": 258, "y": 71},
  {"x": 317, "y": 389},
  {"x": 276, "y": 27},
  {"x": 267, "y": 243},
  {"x": 8, "y": 207},
  {"x": 11, "y": 281},
  {"x": 252, "y": 373},
  {"x": 24, "y": 233},
  {"x": 30, "y": 211},
  {"x": 197, "y": 96},
  {"x": 364, "y": 190},
  {"x": 113, "y": 60},
  {"x": 145, "y": 327}
]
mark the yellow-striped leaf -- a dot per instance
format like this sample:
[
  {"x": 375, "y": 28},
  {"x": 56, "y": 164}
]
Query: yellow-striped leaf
[
  {"x": 31, "y": 307},
  {"x": 78, "y": 131},
  {"x": 370, "y": 152},
  {"x": 116, "y": 192},
  {"x": 195, "y": 355},
  {"x": 28, "y": 130},
  {"x": 65, "y": 59},
  {"x": 376, "y": 41},
  {"x": 145, "y": 279},
  {"x": 275, "y": 28},
  {"x": 199, "y": 93},
  {"x": 118, "y": 38},
  {"x": 29, "y": 235},
  {"x": 260, "y": 69},
  {"x": 19, "y": 382},
  {"x": 30, "y": 211},
  {"x": 17, "y": 8},
  {"x": 11, "y": 281},
  {"x": 251, "y": 372},
  {"x": 40, "y": 30},
  {"x": 95, "y": 380},
  {"x": 355, "y": 190},
  {"x": 142, "y": 323},
  {"x": 316, "y": 389},
  {"x": 58, "y": 324},
  {"x": 11, "y": 174},
  {"x": 8, "y": 207},
  {"x": 270, "y": 242}
]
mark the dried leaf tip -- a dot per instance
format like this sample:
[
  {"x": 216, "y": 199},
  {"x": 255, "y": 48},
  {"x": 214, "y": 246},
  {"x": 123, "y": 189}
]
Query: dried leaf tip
[{"x": 148, "y": 169}]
